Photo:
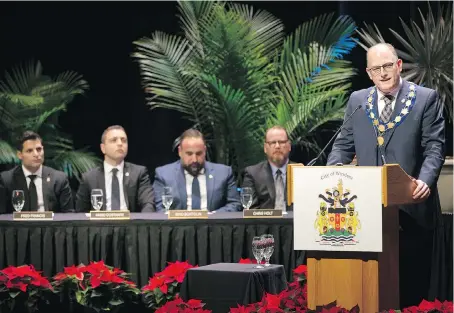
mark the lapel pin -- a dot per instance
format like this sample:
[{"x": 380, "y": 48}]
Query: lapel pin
[
  {"x": 48, "y": 179},
  {"x": 210, "y": 176},
  {"x": 127, "y": 174}
]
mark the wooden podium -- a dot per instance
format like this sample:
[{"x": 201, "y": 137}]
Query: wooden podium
[{"x": 369, "y": 279}]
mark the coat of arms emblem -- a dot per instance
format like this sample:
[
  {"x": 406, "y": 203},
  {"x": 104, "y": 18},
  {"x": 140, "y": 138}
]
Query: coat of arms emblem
[{"x": 337, "y": 221}]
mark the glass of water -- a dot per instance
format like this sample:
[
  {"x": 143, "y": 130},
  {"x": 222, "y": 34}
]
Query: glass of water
[
  {"x": 268, "y": 240},
  {"x": 167, "y": 198},
  {"x": 258, "y": 249},
  {"x": 97, "y": 199},
  {"x": 246, "y": 197},
  {"x": 18, "y": 200}
]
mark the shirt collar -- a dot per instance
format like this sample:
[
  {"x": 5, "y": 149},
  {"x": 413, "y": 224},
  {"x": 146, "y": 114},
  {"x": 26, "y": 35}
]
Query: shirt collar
[
  {"x": 283, "y": 168},
  {"x": 202, "y": 172},
  {"x": 108, "y": 168},
  {"x": 393, "y": 93},
  {"x": 38, "y": 173}
]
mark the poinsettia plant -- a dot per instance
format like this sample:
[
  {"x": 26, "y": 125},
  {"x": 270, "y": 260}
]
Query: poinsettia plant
[
  {"x": 97, "y": 286},
  {"x": 177, "y": 305},
  {"x": 22, "y": 285},
  {"x": 165, "y": 286},
  {"x": 427, "y": 307}
]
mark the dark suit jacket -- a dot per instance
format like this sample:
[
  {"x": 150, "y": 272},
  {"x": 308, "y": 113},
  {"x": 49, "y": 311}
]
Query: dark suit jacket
[
  {"x": 259, "y": 177},
  {"x": 136, "y": 187},
  {"x": 417, "y": 144},
  {"x": 57, "y": 193},
  {"x": 221, "y": 188}
]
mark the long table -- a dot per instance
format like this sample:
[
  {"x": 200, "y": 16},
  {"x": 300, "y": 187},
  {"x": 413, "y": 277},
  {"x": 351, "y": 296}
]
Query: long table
[{"x": 144, "y": 244}]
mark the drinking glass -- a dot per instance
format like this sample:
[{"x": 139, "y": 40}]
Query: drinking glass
[
  {"x": 97, "y": 199},
  {"x": 246, "y": 197},
  {"x": 258, "y": 250},
  {"x": 269, "y": 247},
  {"x": 167, "y": 198},
  {"x": 18, "y": 200}
]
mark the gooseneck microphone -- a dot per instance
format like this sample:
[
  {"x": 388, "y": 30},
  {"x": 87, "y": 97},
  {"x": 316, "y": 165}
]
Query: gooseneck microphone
[{"x": 334, "y": 136}]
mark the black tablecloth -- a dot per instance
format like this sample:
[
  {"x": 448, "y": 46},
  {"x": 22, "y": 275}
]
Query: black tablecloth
[
  {"x": 222, "y": 286},
  {"x": 144, "y": 244}
]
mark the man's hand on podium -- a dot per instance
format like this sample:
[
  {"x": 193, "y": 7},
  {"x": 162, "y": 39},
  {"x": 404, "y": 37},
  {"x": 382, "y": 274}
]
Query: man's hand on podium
[{"x": 422, "y": 191}]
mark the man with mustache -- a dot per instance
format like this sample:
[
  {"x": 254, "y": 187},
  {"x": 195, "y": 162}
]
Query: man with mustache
[
  {"x": 267, "y": 179},
  {"x": 45, "y": 189},
  {"x": 401, "y": 123},
  {"x": 196, "y": 184},
  {"x": 125, "y": 186}
]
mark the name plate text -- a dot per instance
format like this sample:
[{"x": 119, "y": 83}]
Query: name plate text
[
  {"x": 33, "y": 216},
  {"x": 262, "y": 213},
  {"x": 179, "y": 214},
  {"x": 110, "y": 215}
]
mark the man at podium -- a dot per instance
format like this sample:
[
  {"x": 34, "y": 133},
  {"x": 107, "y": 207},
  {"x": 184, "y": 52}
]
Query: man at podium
[{"x": 399, "y": 122}]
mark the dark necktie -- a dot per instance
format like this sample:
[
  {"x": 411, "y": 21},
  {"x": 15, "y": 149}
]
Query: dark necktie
[
  {"x": 280, "y": 198},
  {"x": 196, "y": 201},
  {"x": 115, "y": 191},
  {"x": 387, "y": 110},
  {"x": 33, "y": 194}
]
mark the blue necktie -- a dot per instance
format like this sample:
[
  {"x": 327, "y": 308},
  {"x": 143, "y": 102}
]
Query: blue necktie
[{"x": 196, "y": 202}]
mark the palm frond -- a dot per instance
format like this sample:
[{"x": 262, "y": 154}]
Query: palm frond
[
  {"x": 7, "y": 153},
  {"x": 74, "y": 162}
]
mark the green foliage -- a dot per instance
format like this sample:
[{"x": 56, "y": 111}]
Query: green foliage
[
  {"x": 428, "y": 55},
  {"x": 234, "y": 73},
  {"x": 30, "y": 100}
]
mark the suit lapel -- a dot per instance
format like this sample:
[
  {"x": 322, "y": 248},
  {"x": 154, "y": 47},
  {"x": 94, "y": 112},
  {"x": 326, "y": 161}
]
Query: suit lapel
[
  {"x": 209, "y": 177},
  {"x": 181, "y": 185},
  {"x": 397, "y": 108},
  {"x": 20, "y": 183},
  {"x": 269, "y": 181},
  {"x": 126, "y": 180},
  {"x": 101, "y": 182},
  {"x": 46, "y": 185}
]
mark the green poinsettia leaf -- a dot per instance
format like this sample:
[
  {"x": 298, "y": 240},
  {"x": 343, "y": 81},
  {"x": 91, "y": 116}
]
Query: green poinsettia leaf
[
  {"x": 14, "y": 294},
  {"x": 116, "y": 302}
]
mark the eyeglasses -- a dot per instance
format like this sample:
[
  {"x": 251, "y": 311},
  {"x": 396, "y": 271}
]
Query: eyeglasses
[
  {"x": 387, "y": 67},
  {"x": 274, "y": 143}
]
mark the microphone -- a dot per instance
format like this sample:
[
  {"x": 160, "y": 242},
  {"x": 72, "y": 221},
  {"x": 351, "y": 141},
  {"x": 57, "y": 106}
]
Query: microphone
[{"x": 332, "y": 138}]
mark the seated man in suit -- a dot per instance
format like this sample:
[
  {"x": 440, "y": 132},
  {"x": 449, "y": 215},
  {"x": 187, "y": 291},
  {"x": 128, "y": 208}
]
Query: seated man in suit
[
  {"x": 125, "y": 186},
  {"x": 196, "y": 184},
  {"x": 267, "y": 179},
  {"x": 45, "y": 189}
]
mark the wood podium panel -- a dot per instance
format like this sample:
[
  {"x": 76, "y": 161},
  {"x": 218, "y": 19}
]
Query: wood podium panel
[{"x": 367, "y": 279}]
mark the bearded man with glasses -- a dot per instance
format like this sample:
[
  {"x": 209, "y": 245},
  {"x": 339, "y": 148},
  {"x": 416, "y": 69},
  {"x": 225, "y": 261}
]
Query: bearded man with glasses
[
  {"x": 267, "y": 179},
  {"x": 400, "y": 122}
]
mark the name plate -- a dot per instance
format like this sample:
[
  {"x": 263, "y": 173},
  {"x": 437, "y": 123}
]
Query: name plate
[
  {"x": 110, "y": 215},
  {"x": 33, "y": 216},
  {"x": 179, "y": 214},
  {"x": 262, "y": 213}
]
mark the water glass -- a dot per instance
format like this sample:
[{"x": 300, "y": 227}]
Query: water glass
[
  {"x": 167, "y": 198},
  {"x": 18, "y": 200},
  {"x": 268, "y": 240},
  {"x": 97, "y": 199},
  {"x": 258, "y": 249},
  {"x": 246, "y": 197}
]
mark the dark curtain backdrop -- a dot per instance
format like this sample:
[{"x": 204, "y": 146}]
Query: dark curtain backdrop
[{"x": 95, "y": 39}]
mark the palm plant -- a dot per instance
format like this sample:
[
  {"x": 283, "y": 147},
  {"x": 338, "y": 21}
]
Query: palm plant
[
  {"x": 30, "y": 100},
  {"x": 428, "y": 56},
  {"x": 234, "y": 73}
]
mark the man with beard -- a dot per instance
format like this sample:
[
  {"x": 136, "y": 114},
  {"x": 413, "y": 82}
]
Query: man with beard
[
  {"x": 196, "y": 184},
  {"x": 45, "y": 189},
  {"x": 125, "y": 186},
  {"x": 267, "y": 179}
]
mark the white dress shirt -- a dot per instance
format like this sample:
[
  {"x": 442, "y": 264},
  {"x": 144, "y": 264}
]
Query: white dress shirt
[
  {"x": 203, "y": 189},
  {"x": 108, "y": 178},
  {"x": 38, "y": 183},
  {"x": 381, "y": 103}
]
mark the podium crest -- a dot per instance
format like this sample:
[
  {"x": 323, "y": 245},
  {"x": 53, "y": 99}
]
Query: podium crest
[{"x": 337, "y": 221}]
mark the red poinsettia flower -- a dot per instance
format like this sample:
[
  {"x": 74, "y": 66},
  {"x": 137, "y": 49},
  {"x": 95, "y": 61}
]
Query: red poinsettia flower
[
  {"x": 302, "y": 269},
  {"x": 242, "y": 309}
]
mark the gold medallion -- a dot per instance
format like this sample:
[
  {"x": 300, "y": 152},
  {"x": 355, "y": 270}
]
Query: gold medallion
[
  {"x": 372, "y": 115},
  {"x": 381, "y": 128},
  {"x": 408, "y": 103},
  {"x": 375, "y": 122},
  {"x": 397, "y": 119},
  {"x": 369, "y": 99},
  {"x": 380, "y": 140},
  {"x": 390, "y": 125},
  {"x": 411, "y": 94}
]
